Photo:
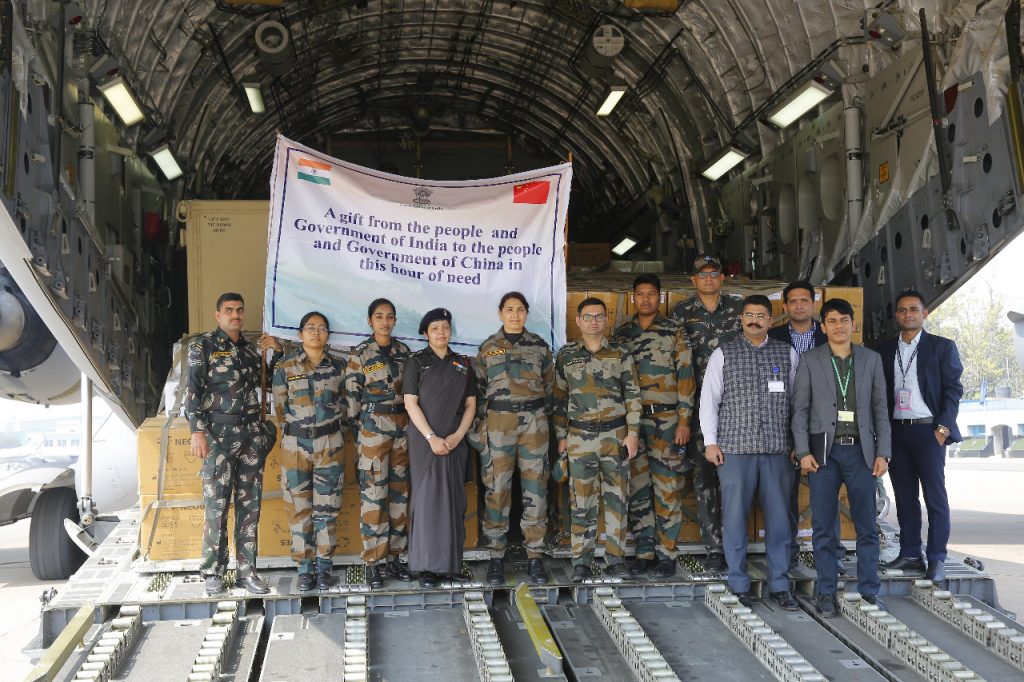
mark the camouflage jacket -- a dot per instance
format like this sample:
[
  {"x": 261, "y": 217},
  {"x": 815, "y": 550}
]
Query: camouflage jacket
[
  {"x": 222, "y": 376},
  {"x": 309, "y": 398},
  {"x": 662, "y": 359},
  {"x": 514, "y": 371},
  {"x": 706, "y": 331},
  {"x": 595, "y": 386},
  {"x": 374, "y": 376}
]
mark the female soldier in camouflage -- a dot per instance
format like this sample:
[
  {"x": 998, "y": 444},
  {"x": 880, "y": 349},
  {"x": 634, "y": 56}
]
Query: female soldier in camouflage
[
  {"x": 308, "y": 394},
  {"x": 516, "y": 377},
  {"x": 373, "y": 393}
]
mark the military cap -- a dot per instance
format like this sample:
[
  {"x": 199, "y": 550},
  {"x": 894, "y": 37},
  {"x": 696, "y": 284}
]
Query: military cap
[{"x": 433, "y": 316}]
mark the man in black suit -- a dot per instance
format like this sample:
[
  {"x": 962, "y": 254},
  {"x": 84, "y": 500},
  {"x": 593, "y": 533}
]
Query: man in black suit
[
  {"x": 803, "y": 333},
  {"x": 922, "y": 376}
]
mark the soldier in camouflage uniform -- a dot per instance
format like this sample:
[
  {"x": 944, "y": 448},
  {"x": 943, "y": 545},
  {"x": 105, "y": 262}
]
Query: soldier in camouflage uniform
[
  {"x": 222, "y": 404},
  {"x": 710, "y": 319},
  {"x": 597, "y": 417},
  {"x": 376, "y": 411},
  {"x": 308, "y": 395},
  {"x": 515, "y": 374},
  {"x": 662, "y": 358}
]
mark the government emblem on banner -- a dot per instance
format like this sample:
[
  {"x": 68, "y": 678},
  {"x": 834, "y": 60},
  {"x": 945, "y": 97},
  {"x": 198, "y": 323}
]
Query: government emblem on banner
[{"x": 316, "y": 172}]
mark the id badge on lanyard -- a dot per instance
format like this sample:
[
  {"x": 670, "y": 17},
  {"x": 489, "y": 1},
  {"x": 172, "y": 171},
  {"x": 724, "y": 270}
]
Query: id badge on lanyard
[
  {"x": 904, "y": 398},
  {"x": 775, "y": 384}
]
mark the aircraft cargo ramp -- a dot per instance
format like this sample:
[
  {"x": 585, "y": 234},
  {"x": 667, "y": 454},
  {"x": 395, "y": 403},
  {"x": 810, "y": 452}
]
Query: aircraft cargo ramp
[{"x": 113, "y": 622}]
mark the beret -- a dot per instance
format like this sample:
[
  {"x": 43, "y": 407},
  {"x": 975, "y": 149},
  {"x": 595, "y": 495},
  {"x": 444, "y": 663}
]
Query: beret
[{"x": 433, "y": 316}]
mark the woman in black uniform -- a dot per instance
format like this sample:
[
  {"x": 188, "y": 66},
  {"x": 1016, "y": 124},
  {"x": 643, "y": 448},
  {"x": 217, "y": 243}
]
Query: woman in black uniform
[{"x": 440, "y": 398}]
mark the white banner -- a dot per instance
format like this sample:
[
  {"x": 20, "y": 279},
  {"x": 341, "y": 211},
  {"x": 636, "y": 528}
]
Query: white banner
[{"x": 341, "y": 235}]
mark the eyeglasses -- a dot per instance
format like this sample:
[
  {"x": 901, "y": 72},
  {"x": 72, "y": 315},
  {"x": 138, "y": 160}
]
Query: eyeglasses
[
  {"x": 317, "y": 328},
  {"x": 594, "y": 318},
  {"x": 704, "y": 274},
  {"x": 755, "y": 316}
]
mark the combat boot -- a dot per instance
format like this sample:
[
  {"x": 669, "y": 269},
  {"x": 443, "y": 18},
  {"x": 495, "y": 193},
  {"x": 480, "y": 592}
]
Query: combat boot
[
  {"x": 535, "y": 569},
  {"x": 396, "y": 569},
  {"x": 306, "y": 582},
  {"x": 496, "y": 572},
  {"x": 374, "y": 577},
  {"x": 214, "y": 584}
]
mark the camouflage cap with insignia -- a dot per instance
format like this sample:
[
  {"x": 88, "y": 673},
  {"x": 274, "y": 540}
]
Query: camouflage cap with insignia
[{"x": 706, "y": 260}]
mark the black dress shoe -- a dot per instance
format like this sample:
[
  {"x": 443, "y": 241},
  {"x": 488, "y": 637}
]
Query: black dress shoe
[
  {"x": 324, "y": 580},
  {"x": 786, "y": 600},
  {"x": 665, "y": 568},
  {"x": 873, "y": 600},
  {"x": 825, "y": 604},
  {"x": 618, "y": 570},
  {"x": 636, "y": 566},
  {"x": 746, "y": 599},
  {"x": 214, "y": 585},
  {"x": 906, "y": 564},
  {"x": 396, "y": 569},
  {"x": 936, "y": 571},
  {"x": 496, "y": 572},
  {"x": 581, "y": 573},
  {"x": 374, "y": 577},
  {"x": 306, "y": 582},
  {"x": 715, "y": 562},
  {"x": 428, "y": 579},
  {"x": 535, "y": 569},
  {"x": 255, "y": 584}
]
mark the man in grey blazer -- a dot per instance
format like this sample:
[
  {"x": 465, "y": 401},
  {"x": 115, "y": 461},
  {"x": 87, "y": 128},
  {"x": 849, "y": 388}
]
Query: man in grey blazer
[{"x": 841, "y": 434}]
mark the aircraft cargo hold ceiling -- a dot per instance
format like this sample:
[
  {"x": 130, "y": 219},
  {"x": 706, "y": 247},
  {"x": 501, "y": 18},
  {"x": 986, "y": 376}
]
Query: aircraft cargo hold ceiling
[{"x": 695, "y": 76}]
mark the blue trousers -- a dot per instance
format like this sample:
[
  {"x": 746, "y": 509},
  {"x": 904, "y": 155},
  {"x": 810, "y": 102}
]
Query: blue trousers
[
  {"x": 919, "y": 464},
  {"x": 844, "y": 464},
  {"x": 772, "y": 477}
]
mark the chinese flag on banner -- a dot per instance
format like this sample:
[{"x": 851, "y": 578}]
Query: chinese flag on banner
[{"x": 535, "y": 192}]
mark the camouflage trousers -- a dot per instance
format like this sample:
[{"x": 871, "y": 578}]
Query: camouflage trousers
[
  {"x": 709, "y": 494},
  {"x": 515, "y": 439},
  {"x": 656, "y": 489},
  {"x": 234, "y": 468},
  {"x": 383, "y": 470},
  {"x": 597, "y": 477},
  {"x": 312, "y": 470}
]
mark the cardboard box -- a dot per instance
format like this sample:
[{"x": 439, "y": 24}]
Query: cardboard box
[
  {"x": 804, "y": 529},
  {"x": 589, "y": 254},
  {"x": 178, "y": 533}
]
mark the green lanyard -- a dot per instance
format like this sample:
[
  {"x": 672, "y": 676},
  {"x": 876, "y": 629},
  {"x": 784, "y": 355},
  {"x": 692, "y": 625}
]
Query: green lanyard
[{"x": 844, "y": 385}]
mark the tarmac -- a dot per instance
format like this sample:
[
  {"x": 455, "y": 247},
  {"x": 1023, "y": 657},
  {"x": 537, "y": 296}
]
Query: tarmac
[{"x": 984, "y": 494}]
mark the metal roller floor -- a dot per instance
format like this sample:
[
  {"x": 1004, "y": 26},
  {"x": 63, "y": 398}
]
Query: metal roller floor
[
  {"x": 431, "y": 644},
  {"x": 588, "y": 650},
  {"x": 167, "y": 646}
]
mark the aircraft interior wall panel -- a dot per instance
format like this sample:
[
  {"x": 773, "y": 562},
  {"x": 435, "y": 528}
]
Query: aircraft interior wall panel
[
  {"x": 818, "y": 155},
  {"x": 782, "y": 200}
]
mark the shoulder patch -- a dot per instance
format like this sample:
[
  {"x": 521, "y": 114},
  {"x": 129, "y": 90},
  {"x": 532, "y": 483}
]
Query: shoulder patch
[
  {"x": 496, "y": 351},
  {"x": 220, "y": 354},
  {"x": 575, "y": 361},
  {"x": 373, "y": 368},
  {"x": 297, "y": 377}
]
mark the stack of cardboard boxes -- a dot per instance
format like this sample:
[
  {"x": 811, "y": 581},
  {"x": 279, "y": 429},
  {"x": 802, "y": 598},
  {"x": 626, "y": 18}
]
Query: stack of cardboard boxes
[{"x": 171, "y": 528}]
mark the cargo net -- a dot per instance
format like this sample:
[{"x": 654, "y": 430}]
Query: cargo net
[
  {"x": 491, "y": 662},
  {"x": 922, "y": 656},
  {"x": 981, "y": 626},
  {"x": 356, "y": 639},
  {"x": 102, "y": 662},
  {"x": 632, "y": 642},
  {"x": 769, "y": 647}
]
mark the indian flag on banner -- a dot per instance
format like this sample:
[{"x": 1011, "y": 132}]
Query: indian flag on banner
[{"x": 314, "y": 171}]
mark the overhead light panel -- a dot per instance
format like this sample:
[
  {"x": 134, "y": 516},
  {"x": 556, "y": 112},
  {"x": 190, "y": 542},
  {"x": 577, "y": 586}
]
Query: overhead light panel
[
  {"x": 615, "y": 94},
  {"x": 123, "y": 100},
  {"x": 799, "y": 103},
  {"x": 168, "y": 164},
  {"x": 255, "y": 96},
  {"x": 623, "y": 247},
  {"x": 723, "y": 162}
]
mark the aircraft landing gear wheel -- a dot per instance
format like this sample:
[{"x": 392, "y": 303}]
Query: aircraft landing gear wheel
[{"x": 52, "y": 554}]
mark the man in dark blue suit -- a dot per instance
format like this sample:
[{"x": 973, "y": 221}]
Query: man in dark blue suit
[{"x": 922, "y": 376}]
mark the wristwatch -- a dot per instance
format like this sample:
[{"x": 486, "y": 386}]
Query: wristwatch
[
  {"x": 429, "y": 435},
  {"x": 944, "y": 430}
]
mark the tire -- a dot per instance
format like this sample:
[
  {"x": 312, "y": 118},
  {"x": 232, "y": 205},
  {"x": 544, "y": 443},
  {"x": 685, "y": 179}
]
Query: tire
[{"x": 52, "y": 554}]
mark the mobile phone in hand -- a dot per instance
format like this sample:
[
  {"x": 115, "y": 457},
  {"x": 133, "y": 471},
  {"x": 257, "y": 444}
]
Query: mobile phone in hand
[{"x": 623, "y": 451}]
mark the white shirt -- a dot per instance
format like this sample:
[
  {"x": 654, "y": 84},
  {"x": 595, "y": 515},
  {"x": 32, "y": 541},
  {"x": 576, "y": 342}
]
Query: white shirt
[
  {"x": 712, "y": 387},
  {"x": 918, "y": 408}
]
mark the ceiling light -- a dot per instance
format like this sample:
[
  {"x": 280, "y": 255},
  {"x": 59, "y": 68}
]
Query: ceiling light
[
  {"x": 723, "y": 162},
  {"x": 798, "y": 104},
  {"x": 623, "y": 247},
  {"x": 168, "y": 164},
  {"x": 615, "y": 93},
  {"x": 252, "y": 91},
  {"x": 123, "y": 100}
]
